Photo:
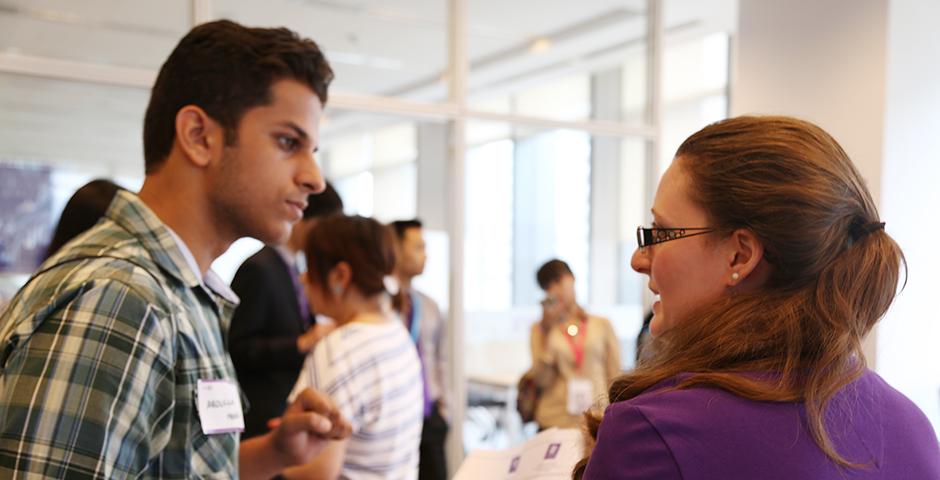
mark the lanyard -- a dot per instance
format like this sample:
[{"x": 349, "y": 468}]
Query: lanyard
[
  {"x": 577, "y": 348},
  {"x": 414, "y": 316}
]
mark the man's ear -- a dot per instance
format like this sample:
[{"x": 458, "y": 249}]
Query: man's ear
[
  {"x": 199, "y": 136},
  {"x": 747, "y": 251}
]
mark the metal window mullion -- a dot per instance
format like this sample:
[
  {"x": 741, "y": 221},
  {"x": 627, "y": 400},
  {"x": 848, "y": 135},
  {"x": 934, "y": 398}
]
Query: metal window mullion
[
  {"x": 593, "y": 127},
  {"x": 457, "y": 75},
  {"x": 654, "y": 38},
  {"x": 78, "y": 71},
  {"x": 200, "y": 12},
  {"x": 143, "y": 78}
]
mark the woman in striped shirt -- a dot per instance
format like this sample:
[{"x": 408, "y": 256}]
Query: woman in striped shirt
[{"x": 368, "y": 364}]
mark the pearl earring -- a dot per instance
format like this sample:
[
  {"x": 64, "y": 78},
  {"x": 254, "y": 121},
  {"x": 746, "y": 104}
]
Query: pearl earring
[{"x": 735, "y": 276}]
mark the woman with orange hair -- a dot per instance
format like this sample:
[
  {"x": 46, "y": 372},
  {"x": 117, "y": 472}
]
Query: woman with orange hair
[{"x": 771, "y": 265}]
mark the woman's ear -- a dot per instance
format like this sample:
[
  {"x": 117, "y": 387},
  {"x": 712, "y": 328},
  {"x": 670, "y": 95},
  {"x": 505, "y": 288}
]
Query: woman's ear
[
  {"x": 746, "y": 254},
  {"x": 339, "y": 279}
]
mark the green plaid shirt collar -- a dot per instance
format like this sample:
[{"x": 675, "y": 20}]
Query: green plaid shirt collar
[
  {"x": 166, "y": 247},
  {"x": 131, "y": 214}
]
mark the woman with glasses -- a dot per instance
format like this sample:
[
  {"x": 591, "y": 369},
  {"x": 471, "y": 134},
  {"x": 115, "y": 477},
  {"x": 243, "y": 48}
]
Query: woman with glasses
[{"x": 771, "y": 265}]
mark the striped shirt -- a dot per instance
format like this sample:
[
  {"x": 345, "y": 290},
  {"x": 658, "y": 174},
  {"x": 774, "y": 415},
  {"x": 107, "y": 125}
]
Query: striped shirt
[
  {"x": 100, "y": 354},
  {"x": 373, "y": 374}
]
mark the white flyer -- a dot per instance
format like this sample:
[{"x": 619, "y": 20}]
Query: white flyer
[{"x": 551, "y": 454}]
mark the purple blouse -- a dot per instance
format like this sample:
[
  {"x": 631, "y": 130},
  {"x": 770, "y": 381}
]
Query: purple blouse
[{"x": 708, "y": 433}]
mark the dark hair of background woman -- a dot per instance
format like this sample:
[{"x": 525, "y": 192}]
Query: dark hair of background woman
[
  {"x": 365, "y": 244},
  {"x": 87, "y": 205}
]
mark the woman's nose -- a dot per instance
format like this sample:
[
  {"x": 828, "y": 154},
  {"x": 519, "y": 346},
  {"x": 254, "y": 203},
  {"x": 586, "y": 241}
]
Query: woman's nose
[{"x": 640, "y": 261}]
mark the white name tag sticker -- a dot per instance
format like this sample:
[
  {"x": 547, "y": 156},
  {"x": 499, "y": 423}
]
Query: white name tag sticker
[
  {"x": 580, "y": 395},
  {"x": 220, "y": 406}
]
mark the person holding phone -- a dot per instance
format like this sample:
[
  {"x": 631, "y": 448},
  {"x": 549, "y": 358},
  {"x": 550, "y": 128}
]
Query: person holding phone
[{"x": 574, "y": 355}]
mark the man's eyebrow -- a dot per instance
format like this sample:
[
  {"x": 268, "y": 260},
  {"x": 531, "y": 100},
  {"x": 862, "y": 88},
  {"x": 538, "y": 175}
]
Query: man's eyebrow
[
  {"x": 296, "y": 128},
  {"x": 300, "y": 133}
]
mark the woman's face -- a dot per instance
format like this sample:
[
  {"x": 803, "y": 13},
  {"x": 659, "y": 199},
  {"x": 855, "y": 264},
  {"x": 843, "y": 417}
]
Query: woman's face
[
  {"x": 686, "y": 273},
  {"x": 562, "y": 291}
]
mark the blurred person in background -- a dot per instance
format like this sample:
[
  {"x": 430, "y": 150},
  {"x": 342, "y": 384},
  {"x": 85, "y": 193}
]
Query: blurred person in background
[
  {"x": 643, "y": 340},
  {"x": 274, "y": 326},
  {"x": 427, "y": 327},
  {"x": 574, "y": 355},
  {"x": 368, "y": 364},
  {"x": 83, "y": 210}
]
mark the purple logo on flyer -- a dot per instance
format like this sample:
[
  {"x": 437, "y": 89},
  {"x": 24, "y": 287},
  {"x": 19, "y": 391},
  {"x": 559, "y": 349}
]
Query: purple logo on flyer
[
  {"x": 514, "y": 465},
  {"x": 552, "y": 451}
]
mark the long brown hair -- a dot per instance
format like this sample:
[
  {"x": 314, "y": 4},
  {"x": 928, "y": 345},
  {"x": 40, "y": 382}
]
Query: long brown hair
[{"x": 834, "y": 272}]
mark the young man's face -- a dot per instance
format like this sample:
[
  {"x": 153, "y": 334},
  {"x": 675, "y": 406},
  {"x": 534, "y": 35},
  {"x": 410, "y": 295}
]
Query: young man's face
[
  {"x": 411, "y": 253},
  {"x": 262, "y": 183},
  {"x": 299, "y": 233}
]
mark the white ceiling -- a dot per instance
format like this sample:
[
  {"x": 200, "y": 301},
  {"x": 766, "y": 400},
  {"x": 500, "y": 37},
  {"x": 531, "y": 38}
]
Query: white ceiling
[{"x": 396, "y": 47}]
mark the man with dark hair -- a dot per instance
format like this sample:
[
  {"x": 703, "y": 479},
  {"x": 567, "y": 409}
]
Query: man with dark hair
[
  {"x": 227, "y": 69},
  {"x": 112, "y": 357},
  {"x": 267, "y": 339},
  {"x": 423, "y": 319}
]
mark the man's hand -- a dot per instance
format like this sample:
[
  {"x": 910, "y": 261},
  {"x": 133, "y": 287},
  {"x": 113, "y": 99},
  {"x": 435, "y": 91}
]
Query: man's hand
[
  {"x": 306, "y": 427},
  {"x": 309, "y": 339}
]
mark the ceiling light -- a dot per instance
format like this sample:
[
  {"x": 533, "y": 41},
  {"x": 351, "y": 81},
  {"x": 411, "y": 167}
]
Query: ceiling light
[{"x": 540, "y": 45}]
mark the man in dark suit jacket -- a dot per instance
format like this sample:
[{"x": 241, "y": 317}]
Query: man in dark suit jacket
[{"x": 271, "y": 330}]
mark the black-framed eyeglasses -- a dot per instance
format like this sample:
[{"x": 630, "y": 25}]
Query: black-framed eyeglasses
[{"x": 651, "y": 236}]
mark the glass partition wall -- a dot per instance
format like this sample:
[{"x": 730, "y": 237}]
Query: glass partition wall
[{"x": 517, "y": 131}]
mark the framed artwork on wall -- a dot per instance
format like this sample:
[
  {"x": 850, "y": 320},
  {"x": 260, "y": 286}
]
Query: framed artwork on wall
[{"x": 25, "y": 216}]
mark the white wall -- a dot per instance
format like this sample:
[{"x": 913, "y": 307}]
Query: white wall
[
  {"x": 866, "y": 71},
  {"x": 820, "y": 61},
  {"x": 908, "y": 353}
]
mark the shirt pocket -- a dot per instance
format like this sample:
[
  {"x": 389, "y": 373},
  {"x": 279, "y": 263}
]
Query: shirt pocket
[{"x": 214, "y": 455}]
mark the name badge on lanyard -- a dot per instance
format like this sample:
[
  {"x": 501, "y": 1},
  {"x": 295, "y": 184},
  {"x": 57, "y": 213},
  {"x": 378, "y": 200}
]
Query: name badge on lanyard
[
  {"x": 580, "y": 395},
  {"x": 220, "y": 407},
  {"x": 580, "y": 390}
]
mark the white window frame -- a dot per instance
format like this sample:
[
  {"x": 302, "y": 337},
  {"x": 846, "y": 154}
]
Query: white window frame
[{"x": 454, "y": 110}]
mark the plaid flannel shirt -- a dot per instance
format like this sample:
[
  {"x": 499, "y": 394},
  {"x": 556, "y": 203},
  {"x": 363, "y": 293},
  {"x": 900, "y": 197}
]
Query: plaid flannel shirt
[{"x": 100, "y": 354}]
